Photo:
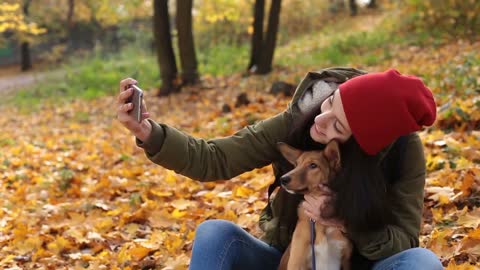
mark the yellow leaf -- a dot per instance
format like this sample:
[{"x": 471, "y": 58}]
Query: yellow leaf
[
  {"x": 437, "y": 214},
  {"x": 131, "y": 228},
  {"x": 443, "y": 199},
  {"x": 242, "y": 192},
  {"x": 59, "y": 245},
  {"x": 181, "y": 204},
  {"x": 471, "y": 220},
  {"x": 159, "y": 219},
  {"x": 464, "y": 266},
  {"x": 171, "y": 177},
  {"x": 161, "y": 193},
  {"x": 41, "y": 253},
  {"x": 104, "y": 224},
  {"x": 178, "y": 214},
  {"x": 124, "y": 255}
]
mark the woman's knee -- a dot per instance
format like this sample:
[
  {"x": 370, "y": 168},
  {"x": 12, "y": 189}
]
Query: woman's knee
[
  {"x": 425, "y": 258},
  {"x": 215, "y": 230}
]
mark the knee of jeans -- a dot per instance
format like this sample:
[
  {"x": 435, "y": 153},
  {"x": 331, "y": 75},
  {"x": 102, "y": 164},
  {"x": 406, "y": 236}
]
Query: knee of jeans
[
  {"x": 426, "y": 258},
  {"x": 215, "y": 230}
]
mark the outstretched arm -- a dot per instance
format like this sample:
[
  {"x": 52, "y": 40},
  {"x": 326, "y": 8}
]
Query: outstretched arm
[{"x": 252, "y": 147}]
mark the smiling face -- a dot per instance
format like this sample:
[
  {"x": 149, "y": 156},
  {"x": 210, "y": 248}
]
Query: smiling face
[{"x": 331, "y": 123}]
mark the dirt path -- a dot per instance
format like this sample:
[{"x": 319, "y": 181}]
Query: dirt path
[{"x": 15, "y": 81}]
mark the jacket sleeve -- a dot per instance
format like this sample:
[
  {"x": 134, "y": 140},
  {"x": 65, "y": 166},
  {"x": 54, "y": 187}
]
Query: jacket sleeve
[
  {"x": 407, "y": 205},
  {"x": 216, "y": 159}
]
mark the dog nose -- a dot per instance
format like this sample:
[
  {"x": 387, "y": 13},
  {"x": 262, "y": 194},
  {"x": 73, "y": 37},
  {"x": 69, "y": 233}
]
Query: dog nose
[{"x": 284, "y": 180}]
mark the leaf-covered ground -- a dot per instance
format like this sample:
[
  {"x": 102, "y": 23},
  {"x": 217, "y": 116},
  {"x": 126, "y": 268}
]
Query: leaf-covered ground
[{"x": 78, "y": 194}]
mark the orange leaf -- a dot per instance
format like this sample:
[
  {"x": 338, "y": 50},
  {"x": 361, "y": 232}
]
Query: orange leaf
[
  {"x": 467, "y": 183},
  {"x": 139, "y": 252}
]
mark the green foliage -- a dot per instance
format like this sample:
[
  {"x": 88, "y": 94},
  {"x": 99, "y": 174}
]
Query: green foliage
[
  {"x": 65, "y": 179},
  {"x": 450, "y": 18},
  {"x": 457, "y": 77},
  {"x": 223, "y": 59},
  {"x": 230, "y": 21},
  {"x": 222, "y": 22}
]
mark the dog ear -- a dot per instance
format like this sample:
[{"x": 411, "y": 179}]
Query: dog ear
[
  {"x": 289, "y": 153},
  {"x": 332, "y": 153}
]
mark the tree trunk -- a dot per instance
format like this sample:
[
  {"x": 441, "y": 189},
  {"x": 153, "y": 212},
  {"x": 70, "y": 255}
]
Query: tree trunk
[
  {"x": 265, "y": 65},
  {"x": 353, "y": 7},
  {"x": 257, "y": 37},
  {"x": 164, "y": 48},
  {"x": 71, "y": 11},
  {"x": 186, "y": 45},
  {"x": 26, "y": 59}
]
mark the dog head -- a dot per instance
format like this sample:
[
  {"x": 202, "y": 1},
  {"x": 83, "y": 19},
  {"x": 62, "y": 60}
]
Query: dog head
[{"x": 311, "y": 167}]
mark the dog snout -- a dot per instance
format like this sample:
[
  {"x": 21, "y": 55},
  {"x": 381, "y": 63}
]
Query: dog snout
[{"x": 284, "y": 180}]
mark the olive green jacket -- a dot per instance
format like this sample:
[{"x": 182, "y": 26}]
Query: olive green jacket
[{"x": 255, "y": 147}]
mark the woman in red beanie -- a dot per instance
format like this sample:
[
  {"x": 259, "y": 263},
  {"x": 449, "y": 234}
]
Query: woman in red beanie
[{"x": 377, "y": 197}]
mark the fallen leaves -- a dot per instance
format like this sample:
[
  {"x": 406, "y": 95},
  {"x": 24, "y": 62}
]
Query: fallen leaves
[
  {"x": 77, "y": 193},
  {"x": 80, "y": 193}
]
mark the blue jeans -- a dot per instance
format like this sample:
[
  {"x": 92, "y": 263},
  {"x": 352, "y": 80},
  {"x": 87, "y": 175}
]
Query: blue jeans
[
  {"x": 221, "y": 244},
  {"x": 413, "y": 259}
]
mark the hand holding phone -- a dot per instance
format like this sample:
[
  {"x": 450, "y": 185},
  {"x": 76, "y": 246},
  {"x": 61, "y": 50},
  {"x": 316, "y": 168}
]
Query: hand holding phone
[
  {"x": 136, "y": 99},
  {"x": 131, "y": 116}
]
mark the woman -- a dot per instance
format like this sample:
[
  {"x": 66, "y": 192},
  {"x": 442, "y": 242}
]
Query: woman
[{"x": 374, "y": 116}]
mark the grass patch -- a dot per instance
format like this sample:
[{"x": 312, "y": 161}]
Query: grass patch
[
  {"x": 89, "y": 78},
  {"x": 368, "y": 48},
  {"x": 223, "y": 59},
  {"x": 99, "y": 75}
]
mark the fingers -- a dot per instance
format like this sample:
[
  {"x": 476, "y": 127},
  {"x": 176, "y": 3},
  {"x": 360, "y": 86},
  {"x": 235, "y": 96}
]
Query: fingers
[
  {"x": 125, "y": 82},
  {"x": 326, "y": 222},
  {"x": 325, "y": 189},
  {"x": 125, "y": 108},
  {"x": 316, "y": 205},
  {"x": 124, "y": 95},
  {"x": 312, "y": 211},
  {"x": 311, "y": 215},
  {"x": 316, "y": 201},
  {"x": 144, "y": 108},
  {"x": 145, "y": 115}
]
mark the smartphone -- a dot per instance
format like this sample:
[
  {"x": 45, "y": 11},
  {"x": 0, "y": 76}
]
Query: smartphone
[{"x": 136, "y": 98}]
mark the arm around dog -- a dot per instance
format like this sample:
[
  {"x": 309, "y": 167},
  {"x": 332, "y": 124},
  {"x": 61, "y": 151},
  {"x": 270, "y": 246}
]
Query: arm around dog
[
  {"x": 407, "y": 205},
  {"x": 252, "y": 147}
]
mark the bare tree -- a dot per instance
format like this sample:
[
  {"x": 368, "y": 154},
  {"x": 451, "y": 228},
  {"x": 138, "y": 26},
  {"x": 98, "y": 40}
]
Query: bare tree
[
  {"x": 263, "y": 44},
  {"x": 71, "y": 11},
  {"x": 256, "y": 45},
  {"x": 353, "y": 7},
  {"x": 26, "y": 59},
  {"x": 164, "y": 48},
  {"x": 186, "y": 45}
]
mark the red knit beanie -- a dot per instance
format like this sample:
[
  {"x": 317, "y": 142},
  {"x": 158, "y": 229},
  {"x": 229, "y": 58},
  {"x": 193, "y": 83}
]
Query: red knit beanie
[{"x": 380, "y": 107}]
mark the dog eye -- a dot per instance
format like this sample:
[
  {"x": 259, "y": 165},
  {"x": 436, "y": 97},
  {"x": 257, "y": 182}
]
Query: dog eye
[{"x": 312, "y": 166}]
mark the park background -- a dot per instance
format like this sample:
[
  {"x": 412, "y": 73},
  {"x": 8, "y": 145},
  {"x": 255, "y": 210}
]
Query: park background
[{"x": 76, "y": 193}]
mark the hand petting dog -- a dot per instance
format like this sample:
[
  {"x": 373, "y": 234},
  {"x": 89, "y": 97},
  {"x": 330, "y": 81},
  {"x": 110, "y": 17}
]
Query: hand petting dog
[{"x": 320, "y": 209}]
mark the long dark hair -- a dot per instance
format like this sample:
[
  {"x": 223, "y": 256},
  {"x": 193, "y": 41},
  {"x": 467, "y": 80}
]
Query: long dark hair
[{"x": 360, "y": 187}]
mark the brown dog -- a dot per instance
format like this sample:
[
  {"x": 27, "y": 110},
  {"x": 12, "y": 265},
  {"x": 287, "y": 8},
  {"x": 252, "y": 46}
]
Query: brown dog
[{"x": 332, "y": 248}]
